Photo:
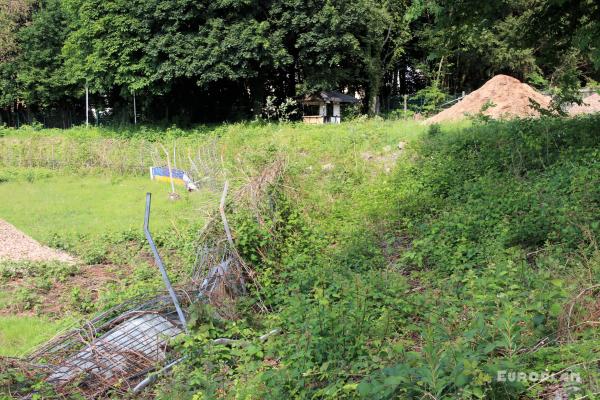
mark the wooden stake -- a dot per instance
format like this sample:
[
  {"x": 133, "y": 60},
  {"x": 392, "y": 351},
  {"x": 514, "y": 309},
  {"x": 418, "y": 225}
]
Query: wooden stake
[
  {"x": 170, "y": 170},
  {"x": 223, "y": 216}
]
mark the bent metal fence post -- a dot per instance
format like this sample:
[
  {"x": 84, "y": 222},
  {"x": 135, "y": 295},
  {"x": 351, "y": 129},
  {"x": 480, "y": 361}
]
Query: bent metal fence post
[
  {"x": 120, "y": 347},
  {"x": 160, "y": 264}
]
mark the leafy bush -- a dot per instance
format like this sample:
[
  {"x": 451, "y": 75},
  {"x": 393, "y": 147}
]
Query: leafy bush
[
  {"x": 508, "y": 184},
  {"x": 56, "y": 271},
  {"x": 400, "y": 114},
  {"x": 431, "y": 97}
]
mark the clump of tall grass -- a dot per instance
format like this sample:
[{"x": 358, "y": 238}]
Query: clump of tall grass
[
  {"x": 123, "y": 156},
  {"x": 131, "y": 150}
]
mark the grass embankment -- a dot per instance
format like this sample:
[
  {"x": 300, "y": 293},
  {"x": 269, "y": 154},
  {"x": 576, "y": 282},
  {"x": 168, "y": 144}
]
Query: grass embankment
[
  {"x": 478, "y": 255},
  {"x": 83, "y": 190},
  {"x": 421, "y": 272},
  {"x": 329, "y": 161}
]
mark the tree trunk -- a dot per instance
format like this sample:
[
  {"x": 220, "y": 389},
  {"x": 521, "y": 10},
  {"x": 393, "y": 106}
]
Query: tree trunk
[
  {"x": 374, "y": 97},
  {"x": 376, "y": 76}
]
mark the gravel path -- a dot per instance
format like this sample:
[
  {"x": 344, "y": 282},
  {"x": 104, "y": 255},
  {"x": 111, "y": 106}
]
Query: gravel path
[{"x": 17, "y": 246}]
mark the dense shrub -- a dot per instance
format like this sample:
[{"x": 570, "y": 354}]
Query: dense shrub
[
  {"x": 525, "y": 183},
  {"x": 459, "y": 267}
]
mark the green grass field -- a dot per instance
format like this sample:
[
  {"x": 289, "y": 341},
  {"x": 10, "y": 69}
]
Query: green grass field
[
  {"x": 91, "y": 205},
  {"x": 84, "y": 210},
  {"x": 18, "y": 335}
]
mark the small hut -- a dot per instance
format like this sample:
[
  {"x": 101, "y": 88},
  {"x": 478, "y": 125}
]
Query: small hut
[{"x": 324, "y": 107}]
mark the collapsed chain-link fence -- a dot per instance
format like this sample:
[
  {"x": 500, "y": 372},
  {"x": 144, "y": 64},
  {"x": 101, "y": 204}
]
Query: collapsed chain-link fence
[
  {"x": 118, "y": 349},
  {"x": 113, "y": 350}
]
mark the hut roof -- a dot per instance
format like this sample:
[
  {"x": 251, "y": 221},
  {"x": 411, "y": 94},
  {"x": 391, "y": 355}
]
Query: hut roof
[{"x": 331, "y": 96}]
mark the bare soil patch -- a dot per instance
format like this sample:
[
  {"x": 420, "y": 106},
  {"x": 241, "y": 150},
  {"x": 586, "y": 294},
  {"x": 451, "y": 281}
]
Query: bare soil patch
[
  {"x": 510, "y": 97},
  {"x": 89, "y": 280},
  {"x": 17, "y": 246}
]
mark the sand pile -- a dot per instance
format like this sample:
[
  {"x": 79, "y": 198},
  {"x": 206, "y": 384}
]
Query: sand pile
[
  {"x": 17, "y": 246},
  {"x": 591, "y": 104},
  {"x": 509, "y": 95}
]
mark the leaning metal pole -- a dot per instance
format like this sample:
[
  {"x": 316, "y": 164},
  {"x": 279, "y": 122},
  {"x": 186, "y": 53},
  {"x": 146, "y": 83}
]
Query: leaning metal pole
[{"x": 160, "y": 264}]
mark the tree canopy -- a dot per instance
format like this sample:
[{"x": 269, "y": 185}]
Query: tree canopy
[{"x": 201, "y": 60}]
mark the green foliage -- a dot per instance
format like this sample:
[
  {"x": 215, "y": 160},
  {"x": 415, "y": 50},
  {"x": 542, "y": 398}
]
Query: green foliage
[
  {"x": 423, "y": 281},
  {"x": 458, "y": 267},
  {"x": 431, "y": 97},
  {"x": 28, "y": 175},
  {"x": 14, "y": 382},
  {"x": 469, "y": 41},
  {"x": 58, "y": 271},
  {"x": 282, "y": 112},
  {"x": 107, "y": 44},
  {"x": 224, "y": 49},
  {"x": 401, "y": 114},
  {"x": 518, "y": 184},
  {"x": 12, "y": 16},
  {"x": 39, "y": 279},
  {"x": 189, "y": 61},
  {"x": 24, "y": 299},
  {"x": 82, "y": 300},
  {"x": 41, "y": 76}
]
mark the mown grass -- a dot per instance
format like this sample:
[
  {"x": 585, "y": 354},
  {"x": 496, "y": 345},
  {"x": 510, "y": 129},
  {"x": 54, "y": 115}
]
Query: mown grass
[
  {"x": 20, "y": 334},
  {"x": 70, "y": 205}
]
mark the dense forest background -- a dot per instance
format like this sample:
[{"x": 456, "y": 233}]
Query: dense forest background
[{"x": 189, "y": 61}]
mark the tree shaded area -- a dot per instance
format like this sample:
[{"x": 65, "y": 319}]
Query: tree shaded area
[{"x": 205, "y": 61}]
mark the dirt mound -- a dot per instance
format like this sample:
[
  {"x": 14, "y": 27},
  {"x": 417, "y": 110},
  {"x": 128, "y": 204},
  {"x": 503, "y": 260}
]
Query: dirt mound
[
  {"x": 591, "y": 104},
  {"x": 511, "y": 98},
  {"x": 17, "y": 246}
]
